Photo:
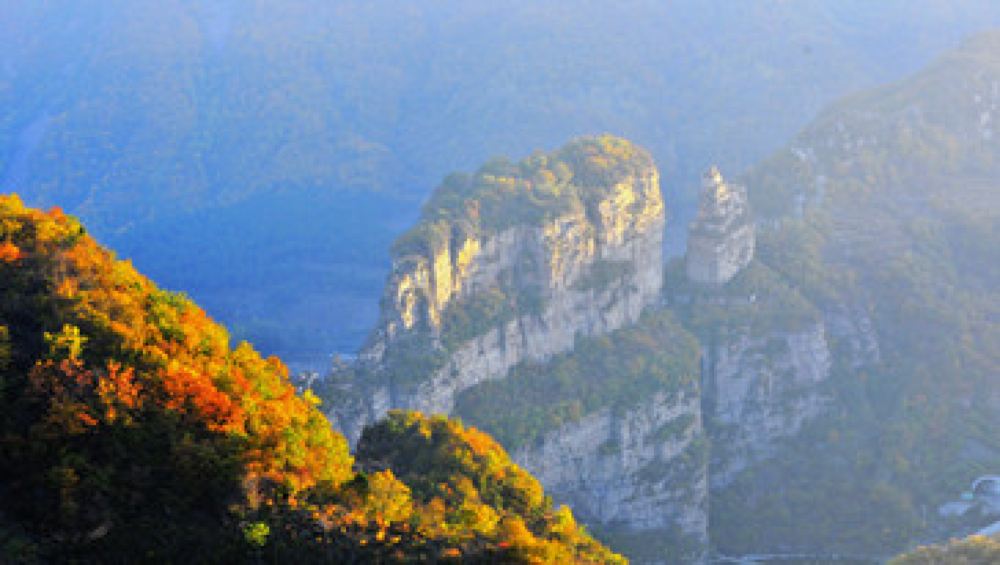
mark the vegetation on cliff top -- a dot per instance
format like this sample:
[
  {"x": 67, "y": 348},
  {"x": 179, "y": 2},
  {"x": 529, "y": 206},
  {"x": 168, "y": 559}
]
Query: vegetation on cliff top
[
  {"x": 502, "y": 194},
  {"x": 130, "y": 429},
  {"x": 757, "y": 299}
]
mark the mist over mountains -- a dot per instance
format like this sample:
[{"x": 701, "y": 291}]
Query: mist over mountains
[
  {"x": 553, "y": 363},
  {"x": 230, "y": 147},
  {"x": 817, "y": 377}
]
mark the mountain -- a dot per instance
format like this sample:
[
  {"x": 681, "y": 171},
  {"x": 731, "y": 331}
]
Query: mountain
[
  {"x": 530, "y": 300},
  {"x": 132, "y": 430},
  {"x": 816, "y": 376},
  {"x": 516, "y": 260},
  {"x": 262, "y": 155},
  {"x": 883, "y": 215},
  {"x": 517, "y": 303}
]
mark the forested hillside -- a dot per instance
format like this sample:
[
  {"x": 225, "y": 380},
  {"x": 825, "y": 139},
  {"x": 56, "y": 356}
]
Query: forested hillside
[
  {"x": 233, "y": 148},
  {"x": 131, "y": 430},
  {"x": 888, "y": 203}
]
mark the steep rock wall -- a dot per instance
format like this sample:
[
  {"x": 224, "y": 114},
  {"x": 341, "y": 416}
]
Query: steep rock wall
[
  {"x": 473, "y": 302},
  {"x": 623, "y": 230},
  {"x": 760, "y": 389},
  {"x": 637, "y": 474},
  {"x": 722, "y": 237}
]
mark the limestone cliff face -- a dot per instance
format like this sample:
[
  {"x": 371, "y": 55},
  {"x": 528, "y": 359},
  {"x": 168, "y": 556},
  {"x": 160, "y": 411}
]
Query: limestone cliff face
[
  {"x": 722, "y": 237},
  {"x": 623, "y": 231},
  {"x": 760, "y": 389},
  {"x": 579, "y": 256},
  {"x": 639, "y": 474}
]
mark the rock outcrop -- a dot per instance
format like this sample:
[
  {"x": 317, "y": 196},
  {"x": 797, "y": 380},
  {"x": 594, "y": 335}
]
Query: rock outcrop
[
  {"x": 510, "y": 265},
  {"x": 637, "y": 477},
  {"x": 760, "y": 389},
  {"x": 721, "y": 239},
  {"x": 767, "y": 356},
  {"x": 614, "y": 430},
  {"x": 516, "y": 272}
]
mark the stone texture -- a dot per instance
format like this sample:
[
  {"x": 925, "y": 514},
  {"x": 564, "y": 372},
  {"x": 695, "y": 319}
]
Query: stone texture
[
  {"x": 721, "y": 239},
  {"x": 640, "y": 471},
  {"x": 595, "y": 270},
  {"x": 760, "y": 390}
]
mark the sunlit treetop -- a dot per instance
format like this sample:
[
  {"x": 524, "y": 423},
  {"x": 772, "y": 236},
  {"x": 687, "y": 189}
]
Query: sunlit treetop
[{"x": 503, "y": 193}]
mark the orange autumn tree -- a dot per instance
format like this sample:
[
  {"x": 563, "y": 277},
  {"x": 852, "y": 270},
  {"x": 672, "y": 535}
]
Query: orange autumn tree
[
  {"x": 478, "y": 492},
  {"x": 99, "y": 367}
]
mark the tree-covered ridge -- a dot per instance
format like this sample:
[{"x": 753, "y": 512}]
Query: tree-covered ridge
[
  {"x": 897, "y": 221},
  {"x": 503, "y": 194},
  {"x": 912, "y": 136},
  {"x": 448, "y": 465},
  {"x": 619, "y": 370},
  {"x": 758, "y": 299},
  {"x": 130, "y": 429},
  {"x": 973, "y": 550}
]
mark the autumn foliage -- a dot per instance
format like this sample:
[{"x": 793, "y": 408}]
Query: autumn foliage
[
  {"x": 466, "y": 489},
  {"x": 973, "y": 550},
  {"x": 122, "y": 404},
  {"x": 131, "y": 430}
]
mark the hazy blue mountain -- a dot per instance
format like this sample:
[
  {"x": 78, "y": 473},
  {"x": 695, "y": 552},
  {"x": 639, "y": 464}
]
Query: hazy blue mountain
[
  {"x": 837, "y": 391},
  {"x": 888, "y": 201},
  {"x": 309, "y": 131}
]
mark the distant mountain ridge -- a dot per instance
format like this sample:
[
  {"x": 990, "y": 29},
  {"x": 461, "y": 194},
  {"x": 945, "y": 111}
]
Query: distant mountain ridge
[{"x": 888, "y": 204}]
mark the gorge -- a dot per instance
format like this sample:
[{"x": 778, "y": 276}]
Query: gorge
[
  {"x": 772, "y": 391},
  {"x": 699, "y": 338},
  {"x": 531, "y": 301}
]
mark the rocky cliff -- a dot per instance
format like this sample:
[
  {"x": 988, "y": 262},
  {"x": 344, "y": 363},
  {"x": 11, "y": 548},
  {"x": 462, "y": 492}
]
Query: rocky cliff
[
  {"x": 767, "y": 355},
  {"x": 521, "y": 302},
  {"x": 518, "y": 304},
  {"x": 760, "y": 389},
  {"x": 528, "y": 302},
  {"x": 765, "y": 349},
  {"x": 614, "y": 430},
  {"x": 509, "y": 265},
  {"x": 638, "y": 477},
  {"x": 722, "y": 237},
  {"x": 882, "y": 213}
]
